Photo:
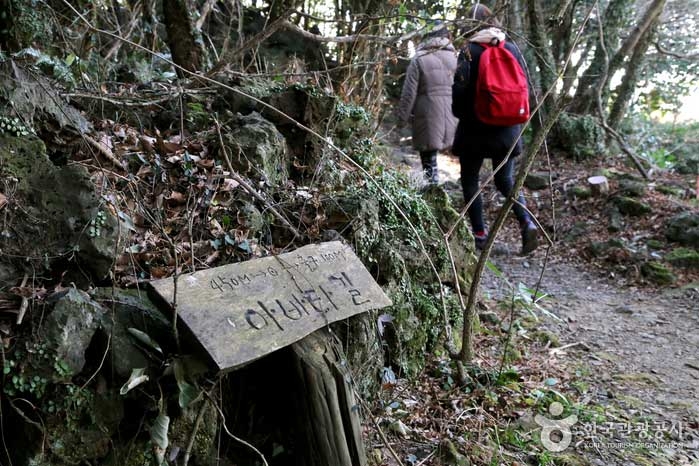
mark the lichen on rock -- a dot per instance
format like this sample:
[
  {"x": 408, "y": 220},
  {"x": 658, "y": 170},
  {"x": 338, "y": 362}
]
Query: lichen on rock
[{"x": 54, "y": 212}]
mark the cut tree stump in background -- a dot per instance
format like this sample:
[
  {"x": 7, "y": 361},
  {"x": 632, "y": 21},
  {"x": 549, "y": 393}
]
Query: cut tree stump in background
[{"x": 598, "y": 185}]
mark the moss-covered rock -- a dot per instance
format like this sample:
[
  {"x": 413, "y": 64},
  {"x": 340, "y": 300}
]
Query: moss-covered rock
[
  {"x": 203, "y": 451},
  {"x": 390, "y": 249},
  {"x": 256, "y": 149},
  {"x": 449, "y": 455},
  {"x": 684, "y": 229},
  {"x": 69, "y": 329},
  {"x": 600, "y": 248},
  {"x": 580, "y": 192},
  {"x": 537, "y": 180},
  {"x": 657, "y": 273},
  {"x": 670, "y": 190},
  {"x": 579, "y": 135},
  {"x": 37, "y": 99},
  {"x": 684, "y": 257},
  {"x": 615, "y": 220},
  {"x": 688, "y": 165},
  {"x": 631, "y": 188},
  {"x": 655, "y": 244},
  {"x": 630, "y": 206},
  {"x": 56, "y": 213}
]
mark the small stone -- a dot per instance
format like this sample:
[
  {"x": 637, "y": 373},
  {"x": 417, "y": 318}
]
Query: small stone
[
  {"x": 537, "y": 180},
  {"x": 580, "y": 192},
  {"x": 684, "y": 229},
  {"x": 632, "y": 188},
  {"x": 450, "y": 456},
  {"x": 624, "y": 310},
  {"x": 616, "y": 220}
]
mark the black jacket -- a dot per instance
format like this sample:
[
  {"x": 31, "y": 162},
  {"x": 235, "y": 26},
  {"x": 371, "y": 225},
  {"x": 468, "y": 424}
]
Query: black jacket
[{"x": 474, "y": 138}]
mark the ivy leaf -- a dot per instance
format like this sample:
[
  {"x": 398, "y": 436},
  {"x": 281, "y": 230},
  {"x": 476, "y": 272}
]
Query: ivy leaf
[
  {"x": 145, "y": 339},
  {"x": 158, "y": 435},
  {"x": 136, "y": 378},
  {"x": 188, "y": 392}
]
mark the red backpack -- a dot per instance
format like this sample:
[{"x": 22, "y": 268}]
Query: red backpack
[{"x": 502, "y": 95}]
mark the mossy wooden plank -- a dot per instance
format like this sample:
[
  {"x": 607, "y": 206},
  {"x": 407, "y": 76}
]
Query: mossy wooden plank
[{"x": 241, "y": 312}]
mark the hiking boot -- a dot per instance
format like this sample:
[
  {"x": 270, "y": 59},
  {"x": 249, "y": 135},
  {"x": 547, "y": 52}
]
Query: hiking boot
[
  {"x": 530, "y": 240},
  {"x": 480, "y": 238}
]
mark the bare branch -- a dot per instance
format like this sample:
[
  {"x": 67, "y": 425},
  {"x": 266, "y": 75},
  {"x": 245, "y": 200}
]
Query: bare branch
[
  {"x": 681, "y": 56},
  {"x": 356, "y": 37}
]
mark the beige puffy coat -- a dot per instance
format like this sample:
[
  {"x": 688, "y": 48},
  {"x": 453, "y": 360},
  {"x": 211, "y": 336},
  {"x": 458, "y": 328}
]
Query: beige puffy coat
[{"x": 427, "y": 95}]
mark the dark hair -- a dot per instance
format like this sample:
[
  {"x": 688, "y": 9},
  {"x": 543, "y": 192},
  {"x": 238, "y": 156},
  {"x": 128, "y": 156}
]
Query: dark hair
[{"x": 483, "y": 15}]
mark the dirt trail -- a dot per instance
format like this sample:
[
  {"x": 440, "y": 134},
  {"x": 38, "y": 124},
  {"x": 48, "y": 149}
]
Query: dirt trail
[{"x": 639, "y": 347}]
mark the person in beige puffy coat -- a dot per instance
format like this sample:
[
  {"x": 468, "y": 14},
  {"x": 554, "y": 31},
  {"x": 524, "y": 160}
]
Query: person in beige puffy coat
[{"x": 426, "y": 98}]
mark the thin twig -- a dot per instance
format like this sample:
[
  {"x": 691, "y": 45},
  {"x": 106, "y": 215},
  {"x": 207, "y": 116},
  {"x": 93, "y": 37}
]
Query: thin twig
[
  {"x": 195, "y": 429},
  {"x": 99, "y": 368},
  {"x": 681, "y": 56},
  {"x": 102, "y": 149},
  {"x": 427, "y": 458},
  {"x": 205, "y": 10},
  {"x": 237, "y": 439},
  {"x": 379, "y": 430},
  {"x": 570, "y": 345}
]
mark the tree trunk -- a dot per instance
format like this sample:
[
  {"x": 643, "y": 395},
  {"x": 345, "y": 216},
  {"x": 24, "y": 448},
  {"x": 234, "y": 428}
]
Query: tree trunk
[
  {"x": 296, "y": 406},
  {"x": 180, "y": 36},
  {"x": 594, "y": 76},
  {"x": 327, "y": 414},
  {"x": 544, "y": 56},
  {"x": 649, "y": 19},
  {"x": 626, "y": 89}
]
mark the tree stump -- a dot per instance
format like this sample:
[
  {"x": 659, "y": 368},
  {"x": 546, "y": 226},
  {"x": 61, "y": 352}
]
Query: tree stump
[
  {"x": 598, "y": 185},
  {"x": 328, "y": 413},
  {"x": 296, "y": 406}
]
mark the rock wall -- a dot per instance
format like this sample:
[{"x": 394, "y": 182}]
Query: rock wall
[{"x": 107, "y": 379}]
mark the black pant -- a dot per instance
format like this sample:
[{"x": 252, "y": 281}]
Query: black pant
[
  {"x": 429, "y": 165},
  {"x": 470, "y": 168}
]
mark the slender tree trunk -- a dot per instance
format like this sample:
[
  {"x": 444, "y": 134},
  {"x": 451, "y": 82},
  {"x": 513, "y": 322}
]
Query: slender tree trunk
[
  {"x": 562, "y": 30},
  {"x": 180, "y": 35},
  {"x": 594, "y": 76},
  {"x": 544, "y": 56},
  {"x": 626, "y": 89},
  {"x": 641, "y": 30}
]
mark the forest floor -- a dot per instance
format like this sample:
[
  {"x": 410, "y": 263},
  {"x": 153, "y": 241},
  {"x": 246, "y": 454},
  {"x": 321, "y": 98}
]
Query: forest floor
[{"x": 617, "y": 353}]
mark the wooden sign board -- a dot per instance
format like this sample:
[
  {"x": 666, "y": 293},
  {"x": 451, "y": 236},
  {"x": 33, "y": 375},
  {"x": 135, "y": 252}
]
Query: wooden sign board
[{"x": 241, "y": 312}]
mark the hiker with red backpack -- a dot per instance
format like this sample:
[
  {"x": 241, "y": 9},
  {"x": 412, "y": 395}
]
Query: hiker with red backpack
[{"x": 490, "y": 97}]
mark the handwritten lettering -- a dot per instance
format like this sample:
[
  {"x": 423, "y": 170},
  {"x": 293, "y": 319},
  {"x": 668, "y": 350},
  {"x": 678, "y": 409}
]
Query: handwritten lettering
[{"x": 283, "y": 311}]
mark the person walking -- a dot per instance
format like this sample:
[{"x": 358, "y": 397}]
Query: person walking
[
  {"x": 426, "y": 98},
  {"x": 477, "y": 140}
]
